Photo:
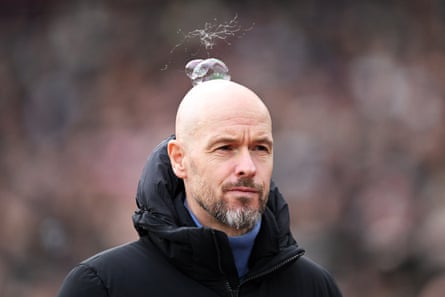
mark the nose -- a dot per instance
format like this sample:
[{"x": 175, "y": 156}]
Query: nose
[{"x": 245, "y": 166}]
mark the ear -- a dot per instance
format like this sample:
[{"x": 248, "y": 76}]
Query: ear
[{"x": 176, "y": 155}]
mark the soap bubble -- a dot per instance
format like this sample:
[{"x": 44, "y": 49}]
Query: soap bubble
[{"x": 200, "y": 70}]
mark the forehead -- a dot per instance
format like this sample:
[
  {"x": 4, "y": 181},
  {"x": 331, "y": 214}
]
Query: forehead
[{"x": 235, "y": 127}]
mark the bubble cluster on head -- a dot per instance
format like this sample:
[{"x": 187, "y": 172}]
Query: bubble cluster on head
[{"x": 201, "y": 70}]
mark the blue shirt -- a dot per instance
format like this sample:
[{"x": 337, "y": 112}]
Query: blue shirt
[{"x": 241, "y": 245}]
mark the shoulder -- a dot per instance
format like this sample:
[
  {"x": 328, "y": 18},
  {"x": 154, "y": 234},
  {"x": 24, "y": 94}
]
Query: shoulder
[
  {"x": 315, "y": 277},
  {"x": 132, "y": 269},
  {"x": 82, "y": 280},
  {"x": 94, "y": 276},
  {"x": 117, "y": 256},
  {"x": 310, "y": 267}
]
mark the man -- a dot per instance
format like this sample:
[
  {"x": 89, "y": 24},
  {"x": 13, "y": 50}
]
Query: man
[{"x": 210, "y": 221}]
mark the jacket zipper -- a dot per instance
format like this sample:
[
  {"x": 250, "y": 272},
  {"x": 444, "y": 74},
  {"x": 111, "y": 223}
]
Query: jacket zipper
[
  {"x": 232, "y": 292},
  {"x": 274, "y": 268},
  {"x": 235, "y": 292}
]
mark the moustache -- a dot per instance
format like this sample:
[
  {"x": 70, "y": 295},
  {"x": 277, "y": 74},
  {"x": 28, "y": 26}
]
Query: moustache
[{"x": 244, "y": 182}]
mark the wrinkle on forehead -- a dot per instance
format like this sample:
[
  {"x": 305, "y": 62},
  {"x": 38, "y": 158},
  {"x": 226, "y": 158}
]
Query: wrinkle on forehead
[{"x": 215, "y": 103}]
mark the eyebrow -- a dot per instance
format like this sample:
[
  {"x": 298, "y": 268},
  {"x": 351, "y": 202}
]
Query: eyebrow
[
  {"x": 226, "y": 139},
  {"x": 265, "y": 140},
  {"x": 220, "y": 139}
]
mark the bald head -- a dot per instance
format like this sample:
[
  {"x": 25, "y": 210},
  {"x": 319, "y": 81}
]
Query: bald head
[{"x": 216, "y": 101}]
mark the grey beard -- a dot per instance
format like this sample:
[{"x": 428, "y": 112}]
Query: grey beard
[{"x": 239, "y": 219}]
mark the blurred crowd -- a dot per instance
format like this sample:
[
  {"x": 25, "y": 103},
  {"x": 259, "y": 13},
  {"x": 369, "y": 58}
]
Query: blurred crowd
[{"x": 357, "y": 94}]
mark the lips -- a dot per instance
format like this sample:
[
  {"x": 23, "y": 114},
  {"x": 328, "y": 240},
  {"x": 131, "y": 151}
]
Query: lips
[
  {"x": 243, "y": 189},
  {"x": 243, "y": 192}
]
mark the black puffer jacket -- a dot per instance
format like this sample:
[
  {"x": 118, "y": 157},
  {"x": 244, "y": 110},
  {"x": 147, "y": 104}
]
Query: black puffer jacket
[{"x": 174, "y": 258}]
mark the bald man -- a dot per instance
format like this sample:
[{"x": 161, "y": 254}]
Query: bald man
[{"x": 210, "y": 221}]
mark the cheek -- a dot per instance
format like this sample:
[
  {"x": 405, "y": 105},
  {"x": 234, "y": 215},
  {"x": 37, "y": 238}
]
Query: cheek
[
  {"x": 203, "y": 172},
  {"x": 217, "y": 167},
  {"x": 265, "y": 168}
]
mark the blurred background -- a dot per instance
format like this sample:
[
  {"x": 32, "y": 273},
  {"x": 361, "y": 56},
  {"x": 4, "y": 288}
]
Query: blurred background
[{"x": 356, "y": 90}]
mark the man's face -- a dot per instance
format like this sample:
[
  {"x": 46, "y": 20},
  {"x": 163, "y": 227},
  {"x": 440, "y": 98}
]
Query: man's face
[{"x": 230, "y": 162}]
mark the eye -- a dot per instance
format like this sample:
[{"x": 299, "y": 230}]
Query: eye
[
  {"x": 226, "y": 147},
  {"x": 261, "y": 148}
]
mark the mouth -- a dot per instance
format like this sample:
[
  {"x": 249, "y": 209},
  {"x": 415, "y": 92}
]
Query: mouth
[{"x": 243, "y": 190}]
